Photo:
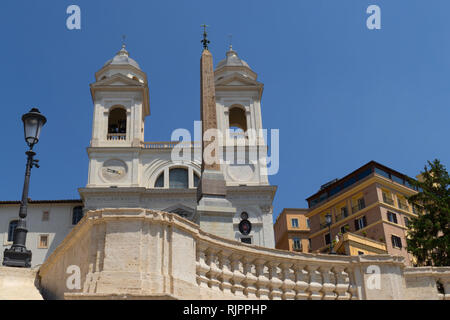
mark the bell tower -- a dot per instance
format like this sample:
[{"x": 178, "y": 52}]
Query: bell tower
[
  {"x": 121, "y": 103},
  {"x": 238, "y": 104}
]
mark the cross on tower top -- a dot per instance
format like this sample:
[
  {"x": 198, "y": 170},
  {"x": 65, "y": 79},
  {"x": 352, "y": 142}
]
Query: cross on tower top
[
  {"x": 205, "y": 40},
  {"x": 230, "y": 39}
]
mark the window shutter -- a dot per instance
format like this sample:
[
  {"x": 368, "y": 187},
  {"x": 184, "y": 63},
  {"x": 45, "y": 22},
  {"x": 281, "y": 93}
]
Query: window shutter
[
  {"x": 364, "y": 221},
  {"x": 393, "y": 241},
  {"x": 356, "y": 225},
  {"x": 395, "y": 218}
]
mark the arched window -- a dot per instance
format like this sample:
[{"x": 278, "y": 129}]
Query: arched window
[
  {"x": 160, "y": 181},
  {"x": 237, "y": 118},
  {"x": 117, "y": 124},
  {"x": 196, "y": 180},
  {"x": 178, "y": 178},
  {"x": 11, "y": 228},
  {"x": 77, "y": 214}
]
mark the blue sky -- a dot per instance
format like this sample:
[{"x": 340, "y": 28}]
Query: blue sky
[{"x": 340, "y": 94}]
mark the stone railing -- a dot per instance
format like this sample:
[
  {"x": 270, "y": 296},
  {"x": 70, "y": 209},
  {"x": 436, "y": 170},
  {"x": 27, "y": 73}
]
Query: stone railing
[
  {"x": 147, "y": 254},
  {"x": 424, "y": 282},
  {"x": 257, "y": 273}
]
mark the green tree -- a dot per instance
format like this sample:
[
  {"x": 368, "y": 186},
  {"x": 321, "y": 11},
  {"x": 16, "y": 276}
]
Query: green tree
[{"x": 429, "y": 233}]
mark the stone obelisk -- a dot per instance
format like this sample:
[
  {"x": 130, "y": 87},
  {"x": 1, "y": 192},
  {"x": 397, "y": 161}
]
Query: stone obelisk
[{"x": 214, "y": 213}]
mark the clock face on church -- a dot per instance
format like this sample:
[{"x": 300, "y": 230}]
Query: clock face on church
[{"x": 113, "y": 170}]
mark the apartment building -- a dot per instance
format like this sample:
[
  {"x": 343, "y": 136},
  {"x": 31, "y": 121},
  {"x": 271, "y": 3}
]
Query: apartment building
[
  {"x": 370, "y": 203},
  {"x": 291, "y": 230}
]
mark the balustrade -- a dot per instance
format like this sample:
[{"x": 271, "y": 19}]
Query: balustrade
[{"x": 235, "y": 273}]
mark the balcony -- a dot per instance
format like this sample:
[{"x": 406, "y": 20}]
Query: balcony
[
  {"x": 116, "y": 136},
  {"x": 388, "y": 199},
  {"x": 403, "y": 205},
  {"x": 361, "y": 205}
]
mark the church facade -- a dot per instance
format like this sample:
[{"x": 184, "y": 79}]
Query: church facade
[{"x": 127, "y": 172}]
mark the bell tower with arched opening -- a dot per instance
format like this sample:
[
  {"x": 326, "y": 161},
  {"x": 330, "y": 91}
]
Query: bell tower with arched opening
[
  {"x": 121, "y": 103},
  {"x": 238, "y": 103}
]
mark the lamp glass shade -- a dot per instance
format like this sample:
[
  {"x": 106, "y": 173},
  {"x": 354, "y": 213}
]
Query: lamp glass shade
[
  {"x": 328, "y": 219},
  {"x": 33, "y": 122}
]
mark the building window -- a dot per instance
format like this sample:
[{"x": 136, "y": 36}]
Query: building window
[
  {"x": 296, "y": 244},
  {"x": 308, "y": 223},
  {"x": 160, "y": 181},
  {"x": 11, "y": 228},
  {"x": 344, "y": 229},
  {"x": 43, "y": 241},
  {"x": 77, "y": 214},
  {"x": 327, "y": 238},
  {"x": 387, "y": 198},
  {"x": 392, "y": 217},
  {"x": 344, "y": 212},
  {"x": 196, "y": 180},
  {"x": 45, "y": 215},
  {"x": 396, "y": 242},
  {"x": 246, "y": 240},
  {"x": 407, "y": 222},
  {"x": 309, "y": 244},
  {"x": 294, "y": 223},
  {"x": 402, "y": 204},
  {"x": 178, "y": 178},
  {"x": 360, "y": 253},
  {"x": 360, "y": 223},
  {"x": 361, "y": 204}
]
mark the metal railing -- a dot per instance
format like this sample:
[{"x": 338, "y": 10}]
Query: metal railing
[
  {"x": 116, "y": 136},
  {"x": 388, "y": 199}
]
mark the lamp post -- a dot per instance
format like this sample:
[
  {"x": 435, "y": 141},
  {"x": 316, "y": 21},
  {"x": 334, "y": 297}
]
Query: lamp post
[
  {"x": 18, "y": 255},
  {"x": 328, "y": 222}
]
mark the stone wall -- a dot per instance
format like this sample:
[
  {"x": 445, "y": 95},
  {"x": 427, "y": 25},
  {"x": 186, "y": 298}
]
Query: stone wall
[
  {"x": 147, "y": 254},
  {"x": 19, "y": 284}
]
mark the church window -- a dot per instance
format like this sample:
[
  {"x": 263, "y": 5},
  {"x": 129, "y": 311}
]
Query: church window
[
  {"x": 117, "y": 124},
  {"x": 77, "y": 214},
  {"x": 11, "y": 229},
  {"x": 160, "y": 181},
  {"x": 178, "y": 178},
  {"x": 237, "y": 118}
]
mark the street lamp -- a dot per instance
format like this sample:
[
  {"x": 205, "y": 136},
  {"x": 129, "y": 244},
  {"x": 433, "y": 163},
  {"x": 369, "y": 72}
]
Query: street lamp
[
  {"x": 18, "y": 255},
  {"x": 328, "y": 222}
]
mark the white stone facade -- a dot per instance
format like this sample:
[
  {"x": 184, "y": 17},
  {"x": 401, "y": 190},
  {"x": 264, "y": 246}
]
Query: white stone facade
[{"x": 124, "y": 170}]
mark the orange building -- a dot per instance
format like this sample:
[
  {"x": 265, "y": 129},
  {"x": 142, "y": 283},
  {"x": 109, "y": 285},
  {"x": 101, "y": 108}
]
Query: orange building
[
  {"x": 291, "y": 230},
  {"x": 370, "y": 203}
]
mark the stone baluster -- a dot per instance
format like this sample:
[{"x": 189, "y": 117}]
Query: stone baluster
[
  {"x": 275, "y": 282},
  {"x": 202, "y": 268},
  {"x": 226, "y": 274},
  {"x": 263, "y": 281},
  {"x": 352, "y": 289},
  {"x": 315, "y": 282},
  {"x": 250, "y": 279},
  {"x": 288, "y": 284},
  {"x": 214, "y": 271},
  {"x": 329, "y": 283},
  {"x": 301, "y": 283},
  {"x": 342, "y": 283},
  {"x": 238, "y": 276}
]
